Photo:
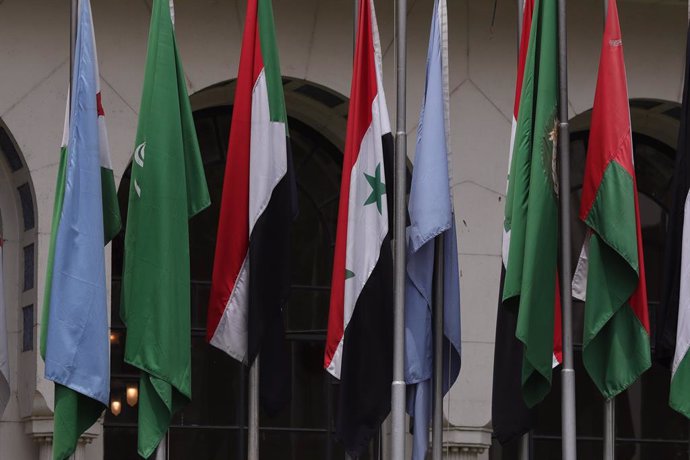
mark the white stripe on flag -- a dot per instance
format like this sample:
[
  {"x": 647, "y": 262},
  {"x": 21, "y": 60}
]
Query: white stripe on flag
[{"x": 683, "y": 331}]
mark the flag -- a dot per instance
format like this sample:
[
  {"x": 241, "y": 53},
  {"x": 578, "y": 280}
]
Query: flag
[
  {"x": 251, "y": 272},
  {"x": 610, "y": 274},
  {"x": 511, "y": 417},
  {"x": 74, "y": 332},
  {"x": 431, "y": 214},
  {"x": 667, "y": 311},
  {"x": 673, "y": 325},
  {"x": 167, "y": 188},
  {"x": 359, "y": 343},
  {"x": 531, "y": 211},
  {"x": 4, "y": 354}
]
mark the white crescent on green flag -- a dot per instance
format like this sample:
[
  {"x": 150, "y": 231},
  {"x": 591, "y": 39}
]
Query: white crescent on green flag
[
  {"x": 167, "y": 188},
  {"x": 74, "y": 331}
]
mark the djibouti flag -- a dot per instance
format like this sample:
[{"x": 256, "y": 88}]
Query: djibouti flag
[{"x": 74, "y": 330}]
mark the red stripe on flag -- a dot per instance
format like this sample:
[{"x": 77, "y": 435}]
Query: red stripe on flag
[
  {"x": 610, "y": 139},
  {"x": 524, "y": 43},
  {"x": 232, "y": 240},
  {"x": 610, "y": 136},
  {"x": 638, "y": 300},
  {"x": 362, "y": 94},
  {"x": 99, "y": 105}
]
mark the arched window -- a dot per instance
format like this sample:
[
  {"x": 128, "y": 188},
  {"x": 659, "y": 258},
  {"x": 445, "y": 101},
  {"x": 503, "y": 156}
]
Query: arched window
[
  {"x": 214, "y": 425},
  {"x": 646, "y": 426}
]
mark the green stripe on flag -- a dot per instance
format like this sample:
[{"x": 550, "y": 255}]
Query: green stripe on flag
[
  {"x": 57, "y": 212},
  {"x": 269, "y": 53},
  {"x": 679, "y": 398},
  {"x": 616, "y": 347},
  {"x": 74, "y": 414},
  {"x": 111, "y": 208}
]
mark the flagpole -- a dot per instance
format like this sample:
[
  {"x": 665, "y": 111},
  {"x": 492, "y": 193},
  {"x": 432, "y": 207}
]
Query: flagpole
[
  {"x": 437, "y": 440},
  {"x": 253, "y": 452},
  {"x": 398, "y": 384},
  {"x": 609, "y": 404},
  {"x": 610, "y": 429},
  {"x": 73, "y": 10},
  {"x": 524, "y": 440},
  {"x": 569, "y": 446}
]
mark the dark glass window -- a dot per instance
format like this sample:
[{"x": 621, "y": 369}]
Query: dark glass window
[
  {"x": 214, "y": 425},
  {"x": 646, "y": 427},
  {"x": 28, "y": 267},
  {"x": 28, "y": 328},
  {"x": 10, "y": 152},
  {"x": 27, "y": 206}
]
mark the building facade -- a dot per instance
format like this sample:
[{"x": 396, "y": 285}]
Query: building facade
[{"x": 315, "y": 39}]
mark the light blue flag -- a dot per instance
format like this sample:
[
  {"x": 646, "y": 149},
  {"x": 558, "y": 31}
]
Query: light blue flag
[
  {"x": 77, "y": 346},
  {"x": 75, "y": 337},
  {"x": 431, "y": 214}
]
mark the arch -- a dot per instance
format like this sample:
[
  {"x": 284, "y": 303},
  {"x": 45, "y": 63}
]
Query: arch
[
  {"x": 643, "y": 413},
  {"x": 317, "y": 119},
  {"x": 19, "y": 229}
]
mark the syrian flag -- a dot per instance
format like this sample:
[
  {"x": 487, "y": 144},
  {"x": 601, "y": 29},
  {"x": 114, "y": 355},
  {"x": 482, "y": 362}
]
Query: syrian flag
[
  {"x": 251, "y": 271},
  {"x": 673, "y": 333},
  {"x": 74, "y": 333},
  {"x": 431, "y": 214},
  {"x": 610, "y": 274},
  {"x": 4, "y": 353},
  {"x": 359, "y": 346}
]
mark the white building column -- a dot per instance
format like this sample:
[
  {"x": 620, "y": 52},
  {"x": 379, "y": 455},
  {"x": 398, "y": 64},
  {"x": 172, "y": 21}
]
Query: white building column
[{"x": 466, "y": 443}]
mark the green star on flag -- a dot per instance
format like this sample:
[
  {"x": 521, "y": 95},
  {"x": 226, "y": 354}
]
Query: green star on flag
[{"x": 378, "y": 188}]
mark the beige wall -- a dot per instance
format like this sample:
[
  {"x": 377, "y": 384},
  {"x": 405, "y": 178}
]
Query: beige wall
[{"x": 316, "y": 44}]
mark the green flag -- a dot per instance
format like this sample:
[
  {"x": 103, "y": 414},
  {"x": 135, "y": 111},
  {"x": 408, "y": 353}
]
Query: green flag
[
  {"x": 167, "y": 188},
  {"x": 610, "y": 275},
  {"x": 531, "y": 214}
]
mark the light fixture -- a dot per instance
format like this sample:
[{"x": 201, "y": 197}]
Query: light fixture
[
  {"x": 114, "y": 338},
  {"x": 115, "y": 407},
  {"x": 132, "y": 395}
]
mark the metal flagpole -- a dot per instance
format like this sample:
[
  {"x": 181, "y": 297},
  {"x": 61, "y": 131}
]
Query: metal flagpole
[
  {"x": 355, "y": 20},
  {"x": 524, "y": 440},
  {"x": 74, "y": 8},
  {"x": 569, "y": 447},
  {"x": 609, "y": 404},
  {"x": 73, "y": 11},
  {"x": 437, "y": 440},
  {"x": 398, "y": 384},
  {"x": 610, "y": 429},
  {"x": 253, "y": 453}
]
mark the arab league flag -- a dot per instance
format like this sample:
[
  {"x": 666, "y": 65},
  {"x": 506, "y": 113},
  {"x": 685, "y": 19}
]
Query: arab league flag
[
  {"x": 4, "y": 353},
  {"x": 531, "y": 212},
  {"x": 677, "y": 270},
  {"x": 359, "y": 343},
  {"x": 431, "y": 214},
  {"x": 74, "y": 333},
  {"x": 616, "y": 348},
  {"x": 251, "y": 273},
  {"x": 167, "y": 188}
]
